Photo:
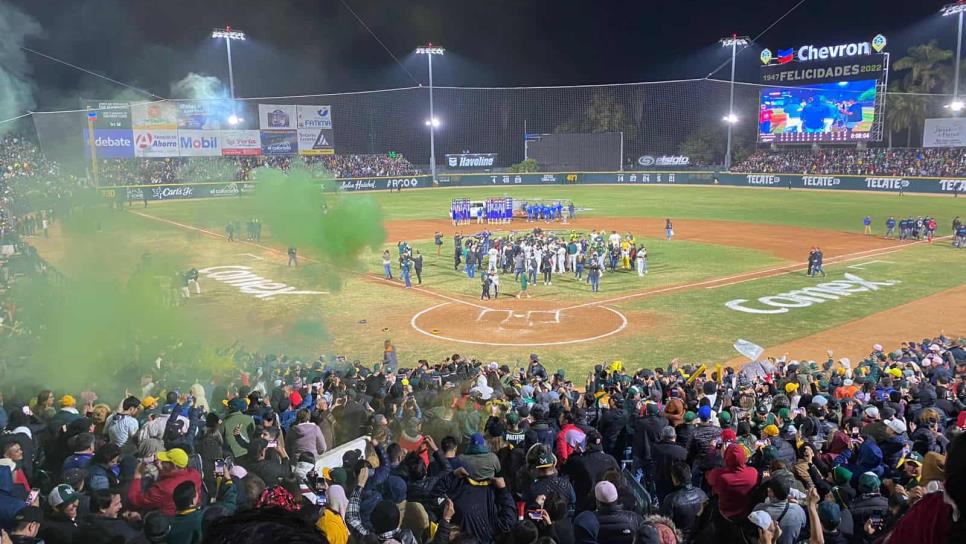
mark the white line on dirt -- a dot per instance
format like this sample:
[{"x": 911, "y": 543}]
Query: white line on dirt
[{"x": 416, "y": 327}]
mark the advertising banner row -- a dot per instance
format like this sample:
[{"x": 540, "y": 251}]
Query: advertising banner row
[
  {"x": 125, "y": 130},
  {"x": 951, "y": 186},
  {"x": 128, "y": 144}
]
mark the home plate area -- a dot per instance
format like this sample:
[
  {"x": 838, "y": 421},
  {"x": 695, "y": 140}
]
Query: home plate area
[{"x": 518, "y": 323}]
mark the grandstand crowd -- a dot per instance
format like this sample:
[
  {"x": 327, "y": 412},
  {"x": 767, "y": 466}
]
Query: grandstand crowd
[
  {"x": 181, "y": 169},
  {"x": 933, "y": 162},
  {"x": 471, "y": 452}
]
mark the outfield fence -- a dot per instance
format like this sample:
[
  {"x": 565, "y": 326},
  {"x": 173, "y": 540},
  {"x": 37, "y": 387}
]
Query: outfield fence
[{"x": 872, "y": 184}]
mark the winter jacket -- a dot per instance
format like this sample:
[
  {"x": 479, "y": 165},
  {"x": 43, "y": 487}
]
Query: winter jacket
[
  {"x": 584, "y": 471},
  {"x": 610, "y": 426},
  {"x": 305, "y": 437},
  {"x": 869, "y": 460},
  {"x": 160, "y": 495},
  {"x": 233, "y": 420},
  {"x": 683, "y": 506},
  {"x": 546, "y": 486},
  {"x": 786, "y": 453},
  {"x": 562, "y": 449},
  {"x": 58, "y": 529},
  {"x": 333, "y": 527},
  {"x": 647, "y": 432},
  {"x": 487, "y": 512},
  {"x": 701, "y": 437},
  {"x": 96, "y": 528},
  {"x": 733, "y": 483},
  {"x": 9, "y": 504},
  {"x": 619, "y": 526},
  {"x": 663, "y": 457},
  {"x": 100, "y": 477},
  {"x": 865, "y": 506},
  {"x": 674, "y": 411}
]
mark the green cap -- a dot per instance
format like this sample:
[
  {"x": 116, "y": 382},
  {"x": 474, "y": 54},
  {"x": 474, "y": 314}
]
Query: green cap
[{"x": 689, "y": 416}]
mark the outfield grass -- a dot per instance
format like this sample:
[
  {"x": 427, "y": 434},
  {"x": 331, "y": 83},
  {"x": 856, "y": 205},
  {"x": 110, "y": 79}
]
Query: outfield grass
[{"x": 820, "y": 209}]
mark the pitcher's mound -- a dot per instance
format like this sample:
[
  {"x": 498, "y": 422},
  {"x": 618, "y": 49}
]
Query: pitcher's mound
[{"x": 513, "y": 322}]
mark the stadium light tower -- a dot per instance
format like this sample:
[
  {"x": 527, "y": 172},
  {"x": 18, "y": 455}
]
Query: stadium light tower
[
  {"x": 433, "y": 123},
  {"x": 957, "y": 8},
  {"x": 733, "y": 42},
  {"x": 229, "y": 34}
]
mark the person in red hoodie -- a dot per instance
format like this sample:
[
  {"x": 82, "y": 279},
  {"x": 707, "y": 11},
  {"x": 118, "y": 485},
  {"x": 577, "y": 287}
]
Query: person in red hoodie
[
  {"x": 564, "y": 449},
  {"x": 733, "y": 484},
  {"x": 172, "y": 465}
]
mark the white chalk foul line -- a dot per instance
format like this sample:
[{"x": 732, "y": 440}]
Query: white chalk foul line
[
  {"x": 861, "y": 266},
  {"x": 418, "y": 329},
  {"x": 749, "y": 276}
]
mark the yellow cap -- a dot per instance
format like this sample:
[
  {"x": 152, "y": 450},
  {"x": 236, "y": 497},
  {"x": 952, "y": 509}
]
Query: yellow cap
[
  {"x": 67, "y": 401},
  {"x": 791, "y": 387},
  {"x": 771, "y": 430},
  {"x": 176, "y": 457}
]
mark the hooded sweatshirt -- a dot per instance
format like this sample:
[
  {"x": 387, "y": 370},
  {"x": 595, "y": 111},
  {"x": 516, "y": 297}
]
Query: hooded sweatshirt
[{"x": 733, "y": 483}]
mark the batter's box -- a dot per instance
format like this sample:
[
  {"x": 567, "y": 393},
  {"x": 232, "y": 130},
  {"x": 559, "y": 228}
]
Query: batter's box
[
  {"x": 511, "y": 319},
  {"x": 544, "y": 317}
]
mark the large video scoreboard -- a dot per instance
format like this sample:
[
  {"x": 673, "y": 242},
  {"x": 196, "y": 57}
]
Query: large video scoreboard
[{"x": 832, "y": 93}]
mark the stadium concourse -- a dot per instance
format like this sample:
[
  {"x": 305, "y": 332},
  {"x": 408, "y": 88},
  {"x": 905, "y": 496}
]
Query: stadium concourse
[{"x": 461, "y": 450}]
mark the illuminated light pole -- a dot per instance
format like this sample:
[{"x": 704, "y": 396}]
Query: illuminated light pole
[
  {"x": 432, "y": 122},
  {"x": 229, "y": 34},
  {"x": 958, "y": 8},
  {"x": 733, "y": 42}
]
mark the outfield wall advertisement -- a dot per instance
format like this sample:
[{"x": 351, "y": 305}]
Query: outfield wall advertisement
[
  {"x": 950, "y": 186},
  {"x": 162, "y": 129}
]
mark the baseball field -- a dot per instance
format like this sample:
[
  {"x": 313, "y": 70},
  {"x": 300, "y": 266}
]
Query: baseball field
[{"x": 734, "y": 269}]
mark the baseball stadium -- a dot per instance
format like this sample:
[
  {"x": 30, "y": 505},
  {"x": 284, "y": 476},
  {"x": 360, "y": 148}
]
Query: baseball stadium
[{"x": 725, "y": 300}]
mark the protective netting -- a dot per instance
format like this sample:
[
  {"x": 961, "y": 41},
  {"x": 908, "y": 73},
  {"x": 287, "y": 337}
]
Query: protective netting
[{"x": 657, "y": 118}]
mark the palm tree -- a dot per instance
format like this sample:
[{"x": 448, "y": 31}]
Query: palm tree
[
  {"x": 903, "y": 112},
  {"x": 926, "y": 66}
]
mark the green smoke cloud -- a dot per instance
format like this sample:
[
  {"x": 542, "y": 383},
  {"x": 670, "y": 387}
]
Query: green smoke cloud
[
  {"x": 329, "y": 227},
  {"x": 16, "y": 89}
]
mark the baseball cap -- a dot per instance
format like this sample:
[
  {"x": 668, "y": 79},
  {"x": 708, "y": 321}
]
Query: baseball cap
[
  {"x": 62, "y": 494},
  {"x": 605, "y": 492},
  {"x": 868, "y": 482},
  {"x": 830, "y": 514},
  {"x": 176, "y": 456},
  {"x": 148, "y": 402},
  {"x": 896, "y": 425},
  {"x": 704, "y": 413},
  {"x": 68, "y": 401},
  {"x": 914, "y": 457},
  {"x": 156, "y": 526},
  {"x": 29, "y": 514},
  {"x": 872, "y": 412},
  {"x": 771, "y": 430}
]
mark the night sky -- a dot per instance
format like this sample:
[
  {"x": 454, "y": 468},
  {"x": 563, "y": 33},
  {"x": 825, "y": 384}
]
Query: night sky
[{"x": 317, "y": 46}]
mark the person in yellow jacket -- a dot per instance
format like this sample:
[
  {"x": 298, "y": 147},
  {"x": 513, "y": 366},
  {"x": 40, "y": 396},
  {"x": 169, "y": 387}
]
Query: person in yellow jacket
[{"x": 332, "y": 521}]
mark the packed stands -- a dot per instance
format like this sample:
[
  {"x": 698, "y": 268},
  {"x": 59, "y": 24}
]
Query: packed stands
[{"x": 874, "y": 161}]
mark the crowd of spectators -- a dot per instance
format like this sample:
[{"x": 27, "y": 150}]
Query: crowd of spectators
[
  {"x": 467, "y": 452},
  {"x": 932, "y": 162},
  {"x": 464, "y": 451},
  {"x": 196, "y": 169}
]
